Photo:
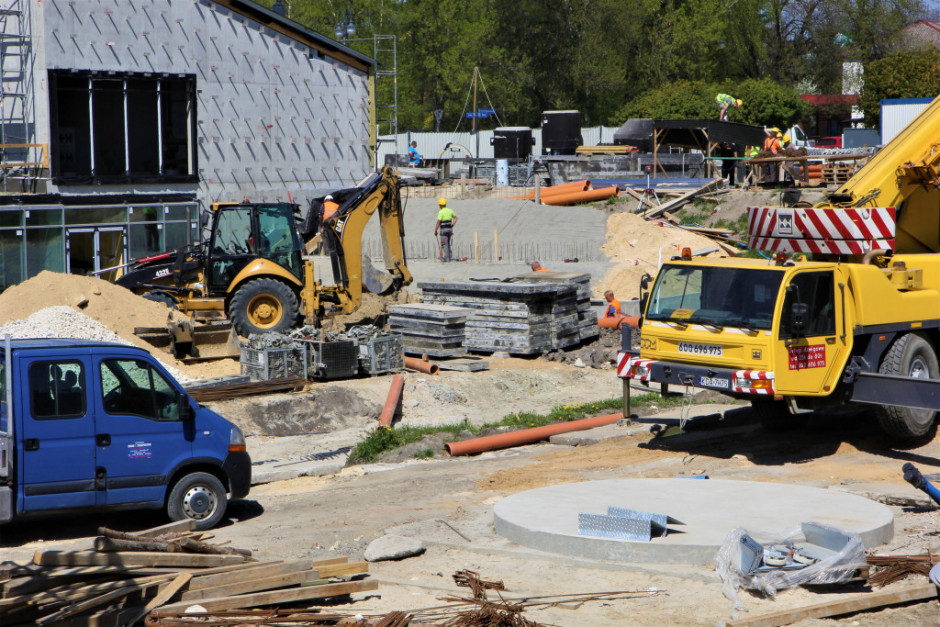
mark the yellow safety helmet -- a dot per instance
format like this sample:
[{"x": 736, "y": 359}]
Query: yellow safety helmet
[
  {"x": 786, "y": 139},
  {"x": 739, "y": 102},
  {"x": 775, "y": 130},
  {"x": 441, "y": 202}
]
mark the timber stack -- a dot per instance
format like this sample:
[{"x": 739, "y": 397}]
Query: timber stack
[{"x": 171, "y": 568}]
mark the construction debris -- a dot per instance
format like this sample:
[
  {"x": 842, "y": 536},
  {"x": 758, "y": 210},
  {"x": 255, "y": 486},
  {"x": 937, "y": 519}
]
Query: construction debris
[
  {"x": 129, "y": 575},
  {"x": 892, "y": 568},
  {"x": 221, "y": 392}
]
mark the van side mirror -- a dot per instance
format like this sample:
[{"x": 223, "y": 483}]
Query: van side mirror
[{"x": 186, "y": 407}]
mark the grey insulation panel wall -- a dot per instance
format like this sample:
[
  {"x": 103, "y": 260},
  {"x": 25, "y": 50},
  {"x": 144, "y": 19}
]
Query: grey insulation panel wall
[{"x": 273, "y": 115}]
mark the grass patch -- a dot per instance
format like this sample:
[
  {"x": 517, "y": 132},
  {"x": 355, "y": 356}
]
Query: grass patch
[{"x": 385, "y": 439}]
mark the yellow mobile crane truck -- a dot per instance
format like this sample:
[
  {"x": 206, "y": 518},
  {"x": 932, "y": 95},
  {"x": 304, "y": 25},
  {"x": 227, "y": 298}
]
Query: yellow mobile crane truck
[
  {"x": 252, "y": 268},
  {"x": 854, "y": 319}
]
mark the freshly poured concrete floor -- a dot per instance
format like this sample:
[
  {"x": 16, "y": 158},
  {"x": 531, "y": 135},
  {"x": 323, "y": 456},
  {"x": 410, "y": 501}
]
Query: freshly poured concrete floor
[{"x": 547, "y": 518}]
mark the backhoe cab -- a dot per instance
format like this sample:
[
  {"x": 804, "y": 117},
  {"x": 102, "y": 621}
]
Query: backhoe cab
[{"x": 252, "y": 268}]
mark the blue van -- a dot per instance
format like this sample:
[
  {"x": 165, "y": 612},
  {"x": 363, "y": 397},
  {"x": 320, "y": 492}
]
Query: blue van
[{"x": 98, "y": 425}]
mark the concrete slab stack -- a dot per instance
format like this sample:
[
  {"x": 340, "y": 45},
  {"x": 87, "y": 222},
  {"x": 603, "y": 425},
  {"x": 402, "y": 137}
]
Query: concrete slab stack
[
  {"x": 430, "y": 329},
  {"x": 519, "y": 317},
  {"x": 587, "y": 319}
]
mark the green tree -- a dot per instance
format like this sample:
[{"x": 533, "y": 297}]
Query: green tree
[{"x": 906, "y": 74}]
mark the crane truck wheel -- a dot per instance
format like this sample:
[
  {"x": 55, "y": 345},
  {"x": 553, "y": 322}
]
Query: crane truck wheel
[
  {"x": 911, "y": 355},
  {"x": 263, "y": 306},
  {"x": 775, "y": 416}
]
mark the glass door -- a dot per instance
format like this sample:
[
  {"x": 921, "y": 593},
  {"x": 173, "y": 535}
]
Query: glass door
[{"x": 96, "y": 251}]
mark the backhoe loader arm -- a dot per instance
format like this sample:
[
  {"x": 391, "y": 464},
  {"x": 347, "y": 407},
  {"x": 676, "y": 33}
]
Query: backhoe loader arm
[{"x": 343, "y": 235}]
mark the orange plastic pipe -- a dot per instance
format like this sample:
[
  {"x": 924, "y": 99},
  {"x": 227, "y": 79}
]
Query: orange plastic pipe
[
  {"x": 577, "y": 197},
  {"x": 564, "y": 188},
  {"x": 526, "y": 436},
  {"x": 420, "y": 365},
  {"x": 616, "y": 321},
  {"x": 391, "y": 401}
]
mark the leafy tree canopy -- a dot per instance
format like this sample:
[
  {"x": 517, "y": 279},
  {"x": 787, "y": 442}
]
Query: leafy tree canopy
[{"x": 907, "y": 74}]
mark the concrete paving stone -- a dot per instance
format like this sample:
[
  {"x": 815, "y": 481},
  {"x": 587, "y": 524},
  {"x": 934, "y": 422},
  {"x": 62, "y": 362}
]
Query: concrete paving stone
[
  {"x": 283, "y": 470},
  {"x": 547, "y": 518}
]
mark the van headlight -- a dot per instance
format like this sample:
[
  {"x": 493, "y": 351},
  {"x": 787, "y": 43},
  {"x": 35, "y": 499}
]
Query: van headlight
[{"x": 236, "y": 441}]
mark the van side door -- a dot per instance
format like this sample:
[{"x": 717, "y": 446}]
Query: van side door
[
  {"x": 141, "y": 437},
  {"x": 56, "y": 445}
]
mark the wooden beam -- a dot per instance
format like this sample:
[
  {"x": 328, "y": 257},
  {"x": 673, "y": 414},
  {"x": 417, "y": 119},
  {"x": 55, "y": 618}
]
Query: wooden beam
[
  {"x": 681, "y": 200},
  {"x": 278, "y": 596},
  {"x": 344, "y": 570},
  {"x": 180, "y": 526},
  {"x": 77, "y": 608},
  {"x": 843, "y": 606},
  {"x": 166, "y": 593},
  {"x": 252, "y": 585},
  {"x": 200, "y": 582},
  {"x": 90, "y": 558}
]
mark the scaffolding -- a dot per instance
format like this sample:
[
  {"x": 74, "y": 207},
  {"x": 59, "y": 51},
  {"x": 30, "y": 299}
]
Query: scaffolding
[
  {"x": 20, "y": 158},
  {"x": 385, "y": 53}
]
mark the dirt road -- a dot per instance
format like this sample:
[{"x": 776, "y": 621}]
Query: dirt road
[{"x": 342, "y": 513}]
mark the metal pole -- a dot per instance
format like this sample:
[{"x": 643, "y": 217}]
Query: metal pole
[{"x": 474, "y": 118}]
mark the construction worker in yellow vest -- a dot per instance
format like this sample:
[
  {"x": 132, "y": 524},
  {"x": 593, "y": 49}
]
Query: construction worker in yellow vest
[
  {"x": 725, "y": 102},
  {"x": 446, "y": 221}
]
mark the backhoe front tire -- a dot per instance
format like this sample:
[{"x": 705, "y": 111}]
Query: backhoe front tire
[
  {"x": 912, "y": 356},
  {"x": 263, "y": 306}
]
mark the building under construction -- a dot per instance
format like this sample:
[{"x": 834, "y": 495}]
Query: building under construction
[{"x": 122, "y": 120}]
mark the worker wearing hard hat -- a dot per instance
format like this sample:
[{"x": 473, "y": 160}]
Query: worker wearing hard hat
[
  {"x": 446, "y": 221},
  {"x": 330, "y": 207},
  {"x": 725, "y": 102}
]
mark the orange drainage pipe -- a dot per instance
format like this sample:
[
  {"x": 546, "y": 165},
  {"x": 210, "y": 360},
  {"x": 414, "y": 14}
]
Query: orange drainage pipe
[
  {"x": 564, "y": 188},
  {"x": 616, "y": 321},
  {"x": 420, "y": 365},
  {"x": 587, "y": 196},
  {"x": 391, "y": 401},
  {"x": 526, "y": 436}
]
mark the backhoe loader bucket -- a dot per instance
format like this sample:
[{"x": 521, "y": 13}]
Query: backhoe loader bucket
[
  {"x": 375, "y": 280},
  {"x": 191, "y": 342}
]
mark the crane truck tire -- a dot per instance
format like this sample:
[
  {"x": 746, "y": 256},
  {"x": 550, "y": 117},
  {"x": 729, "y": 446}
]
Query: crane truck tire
[
  {"x": 775, "y": 416},
  {"x": 263, "y": 306},
  {"x": 197, "y": 496},
  {"x": 911, "y": 355}
]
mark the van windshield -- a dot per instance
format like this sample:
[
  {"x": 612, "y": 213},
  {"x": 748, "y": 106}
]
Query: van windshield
[{"x": 717, "y": 296}]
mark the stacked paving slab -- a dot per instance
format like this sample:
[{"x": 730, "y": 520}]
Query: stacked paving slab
[
  {"x": 587, "y": 319},
  {"x": 432, "y": 330},
  {"x": 519, "y": 317}
]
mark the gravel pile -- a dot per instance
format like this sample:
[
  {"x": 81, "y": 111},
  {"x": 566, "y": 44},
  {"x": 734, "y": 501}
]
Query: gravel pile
[{"x": 64, "y": 322}]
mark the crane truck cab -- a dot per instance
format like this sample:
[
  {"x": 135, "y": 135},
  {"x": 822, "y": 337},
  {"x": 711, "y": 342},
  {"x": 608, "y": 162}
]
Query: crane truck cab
[
  {"x": 844, "y": 313},
  {"x": 87, "y": 426}
]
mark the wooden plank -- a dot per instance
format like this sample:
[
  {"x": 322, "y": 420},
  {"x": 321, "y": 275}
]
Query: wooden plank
[
  {"x": 252, "y": 585},
  {"x": 45, "y": 578},
  {"x": 681, "y": 200},
  {"x": 90, "y": 558},
  {"x": 278, "y": 596},
  {"x": 842, "y": 606},
  {"x": 245, "y": 574},
  {"x": 166, "y": 593},
  {"x": 77, "y": 608},
  {"x": 180, "y": 526},
  {"x": 69, "y": 593},
  {"x": 344, "y": 570},
  {"x": 342, "y": 559}
]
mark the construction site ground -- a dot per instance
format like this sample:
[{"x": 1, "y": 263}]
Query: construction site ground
[{"x": 448, "y": 502}]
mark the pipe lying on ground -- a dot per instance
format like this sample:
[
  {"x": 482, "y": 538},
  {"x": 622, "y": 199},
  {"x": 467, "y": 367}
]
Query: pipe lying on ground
[
  {"x": 526, "y": 436},
  {"x": 420, "y": 365},
  {"x": 391, "y": 401},
  {"x": 574, "y": 198},
  {"x": 616, "y": 321},
  {"x": 564, "y": 188}
]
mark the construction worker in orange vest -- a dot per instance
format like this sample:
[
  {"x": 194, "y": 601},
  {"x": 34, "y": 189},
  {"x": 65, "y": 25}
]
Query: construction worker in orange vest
[{"x": 613, "y": 305}]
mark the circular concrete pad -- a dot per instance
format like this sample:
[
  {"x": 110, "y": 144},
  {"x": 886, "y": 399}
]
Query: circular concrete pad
[{"x": 547, "y": 518}]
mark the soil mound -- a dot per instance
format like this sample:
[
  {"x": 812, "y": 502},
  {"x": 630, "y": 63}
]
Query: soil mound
[{"x": 635, "y": 246}]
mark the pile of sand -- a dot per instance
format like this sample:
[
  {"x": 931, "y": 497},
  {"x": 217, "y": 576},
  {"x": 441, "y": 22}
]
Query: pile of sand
[
  {"x": 117, "y": 308},
  {"x": 636, "y": 245}
]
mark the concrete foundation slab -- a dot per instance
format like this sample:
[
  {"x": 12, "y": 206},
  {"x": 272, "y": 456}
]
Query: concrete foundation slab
[{"x": 547, "y": 518}]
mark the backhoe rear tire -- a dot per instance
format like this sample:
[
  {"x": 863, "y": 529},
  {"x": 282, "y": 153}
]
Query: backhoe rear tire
[
  {"x": 263, "y": 306},
  {"x": 912, "y": 356}
]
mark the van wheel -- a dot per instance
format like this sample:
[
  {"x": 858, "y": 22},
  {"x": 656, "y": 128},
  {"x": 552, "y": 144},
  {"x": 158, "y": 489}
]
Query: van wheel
[
  {"x": 198, "y": 496},
  {"x": 775, "y": 416},
  {"x": 263, "y": 306},
  {"x": 912, "y": 356}
]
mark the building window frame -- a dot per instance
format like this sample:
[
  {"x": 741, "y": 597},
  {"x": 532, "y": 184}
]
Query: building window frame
[{"x": 123, "y": 151}]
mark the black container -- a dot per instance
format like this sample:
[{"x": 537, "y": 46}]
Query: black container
[
  {"x": 512, "y": 142},
  {"x": 561, "y": 132}
]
